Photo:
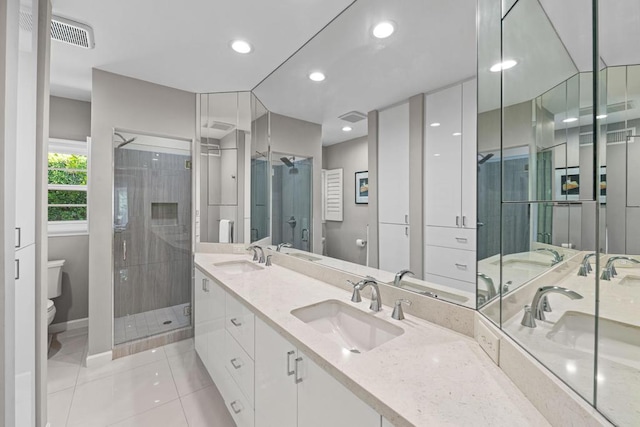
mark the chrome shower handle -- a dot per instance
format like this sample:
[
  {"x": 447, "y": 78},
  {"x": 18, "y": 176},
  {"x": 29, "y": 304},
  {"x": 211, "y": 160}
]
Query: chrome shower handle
[{"x": 124, "y": 250}]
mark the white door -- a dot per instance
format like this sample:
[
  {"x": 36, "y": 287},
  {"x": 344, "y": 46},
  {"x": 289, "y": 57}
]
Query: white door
[
  {"x": 393, "y": 165},
  {"x": 469, "y": 153},
  {"x": 200, "y": 313},
  {"x": 443, "y": 163},
  {"x": 25, "y": 328},
  {"x": 393, "y": 249},
  {"x": 323, "y": 401},
  {"x": 275, "y": 387}
]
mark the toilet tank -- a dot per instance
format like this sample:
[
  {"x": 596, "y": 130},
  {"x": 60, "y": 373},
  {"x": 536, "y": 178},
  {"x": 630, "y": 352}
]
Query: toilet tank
[{"x": 54, "y": 278}]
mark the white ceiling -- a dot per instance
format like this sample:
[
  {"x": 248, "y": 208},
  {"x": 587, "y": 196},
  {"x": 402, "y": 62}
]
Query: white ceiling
[
  {"x": 434, "y": 46},
  {"x": 184, "y": 44}
]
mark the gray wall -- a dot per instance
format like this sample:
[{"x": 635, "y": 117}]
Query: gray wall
[
  {"x": 124, "y": 103},
  {"x": 352, "y": 157},
  {"x": 304, "y": 139},
  {"x": 71, "y": 119}
]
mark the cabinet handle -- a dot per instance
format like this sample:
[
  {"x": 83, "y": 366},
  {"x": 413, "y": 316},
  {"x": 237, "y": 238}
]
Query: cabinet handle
[
  {"x": 236, "y": 407},
  {"x": 464, "y": 221},
  {"x": 298, "y": 379},
  {"x": 235, "y": 322},
  {"x": 19, "y": 239},
  {"x": 406, "y": 219},
  {"x": 17, "y": 269},
  {"x": 289, "y": 371},
  {"x": 124, "y": 250},
  {"x": 462, "y": 239},
  {"x": 457, "y": 221},
  {"x": 236, "y": 363},
  {"x": 406, "y": 231},
  {"x": 461, "y": 265},
  {"x": 205, "y": 284}
]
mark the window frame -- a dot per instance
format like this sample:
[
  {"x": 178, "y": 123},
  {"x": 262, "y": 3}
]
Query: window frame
[{"x": 68, "y": 228}]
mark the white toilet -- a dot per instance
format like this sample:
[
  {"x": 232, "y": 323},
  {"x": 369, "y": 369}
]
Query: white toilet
[{"x": 54, "y": 284}]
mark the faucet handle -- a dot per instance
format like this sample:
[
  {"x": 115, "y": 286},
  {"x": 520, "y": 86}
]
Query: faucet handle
[
  {"x": 398, "y": 314},
  {"x": 355, "y": 297},
  {"x": 268, "y": 263}
]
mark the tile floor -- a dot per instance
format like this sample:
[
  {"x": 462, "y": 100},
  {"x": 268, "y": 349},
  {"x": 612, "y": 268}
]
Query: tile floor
[
  {"x": 166, "y": 386},
  {"x": 141, "y": 325}
]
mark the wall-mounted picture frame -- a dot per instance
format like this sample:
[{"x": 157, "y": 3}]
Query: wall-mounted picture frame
[
  {"x": 362, "y": 188},
  {"x": 568, "y": 184}
]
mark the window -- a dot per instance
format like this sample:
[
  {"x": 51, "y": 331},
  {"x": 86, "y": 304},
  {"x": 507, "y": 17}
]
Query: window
[{"x": 68, "y": 174}]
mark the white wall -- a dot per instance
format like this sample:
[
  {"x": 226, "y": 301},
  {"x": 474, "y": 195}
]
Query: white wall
[{"x": 124, "y": 103}]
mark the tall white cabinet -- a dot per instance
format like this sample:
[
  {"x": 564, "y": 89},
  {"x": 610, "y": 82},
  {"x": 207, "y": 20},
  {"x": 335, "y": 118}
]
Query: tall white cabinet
[
  {"x": 393, "y": 188},
  {"x": 450, "y": 186}
]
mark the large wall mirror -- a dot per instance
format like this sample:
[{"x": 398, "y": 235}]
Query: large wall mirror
[{"x": 355, "y": 165}]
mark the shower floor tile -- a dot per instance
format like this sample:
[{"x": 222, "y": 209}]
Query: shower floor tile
[{"x": 141, "y": 325}]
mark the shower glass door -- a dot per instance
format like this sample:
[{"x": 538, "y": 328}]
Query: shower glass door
[
  {"x": 291, "y": 200},
  {"x": 152, "y": 235}
]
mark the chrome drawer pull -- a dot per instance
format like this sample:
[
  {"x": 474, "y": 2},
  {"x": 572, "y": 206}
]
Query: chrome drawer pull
[
  {"x": 289, "y": 354},
  {"x": 237, "y": 407},
  {"x": 462, "y": 239},
  {"x": 461, "y": 265},
  {"x": 236, "y": 322},
  {"x": 236, "y": 363},
  {"x": 298, "y": 380}
]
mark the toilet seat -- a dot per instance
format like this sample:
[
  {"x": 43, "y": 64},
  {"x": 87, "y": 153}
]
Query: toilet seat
[{"x": 50, "y": 305}]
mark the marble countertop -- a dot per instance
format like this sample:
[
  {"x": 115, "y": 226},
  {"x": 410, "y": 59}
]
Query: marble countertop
[{"x": 427, "y": 376}]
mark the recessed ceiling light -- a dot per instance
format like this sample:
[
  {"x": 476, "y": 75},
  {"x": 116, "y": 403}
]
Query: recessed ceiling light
[
  {"x": 509, "y": 63},
  {"x": 434, "y": 125},
  {"x": 241, "y": 46},
  {"x": 317, "y": 76},
  {"x": 570, "y": 120},
  {"x": 601, "y": 116},
  {"x": 347, "y": 129},
  {"x": 436, "y": 155},
  {"x": 457, "y": 134},
  {"x": 384, "y": 29}
]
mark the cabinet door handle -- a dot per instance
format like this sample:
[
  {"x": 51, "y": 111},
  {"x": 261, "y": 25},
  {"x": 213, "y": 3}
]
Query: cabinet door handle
[
  {"x": 19, "y": 237},
  {"x": 236, "y": 407},
  {"x": 461, "y": 265},
  {"x": 406, "y": 219},
  {"x": 235, "y": 362},
  {"x": 289, "y": 371},
  {"x": 457, "y": 221},
  {"x": 236, "y": 322},
  {"x": 298, "y": 380},
  {"x": 124, "y": 250},
  {"x": 462, "y": 239},
  {"x": 17, "y": 277},
  {"x": 406, "y": 231},
  {"x": 204, "y": 285},
  {"x": 464, "y": 221}
]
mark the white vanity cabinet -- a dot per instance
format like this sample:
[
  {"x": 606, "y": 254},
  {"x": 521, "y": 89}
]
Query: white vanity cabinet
[
  {"x": 450, "y": 186},
  {"x": 292, "y": 390},
  {"x": 393, "y": 188}
]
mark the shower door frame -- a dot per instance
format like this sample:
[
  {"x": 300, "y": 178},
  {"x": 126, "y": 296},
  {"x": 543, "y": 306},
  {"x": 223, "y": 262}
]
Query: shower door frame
[{"x": 192, "y": 149}]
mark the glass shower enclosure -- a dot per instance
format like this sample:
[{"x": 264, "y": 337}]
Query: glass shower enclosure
[{"x": 151, "y": 235}]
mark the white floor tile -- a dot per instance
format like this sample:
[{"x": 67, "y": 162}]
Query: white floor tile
[
  {"x": 179, "y": 347},
  {"x": 69, "y": 342},
  {"x": 58, "y": 405},
  {"x": 206, "y": 408},
  {"x": 120, "y": 365},
  {"x": 62, "y": 371},
  {"x": 189, "y": 373},
  {"x": 117, "y": 397},
  {"x": 169, "y": 415}
]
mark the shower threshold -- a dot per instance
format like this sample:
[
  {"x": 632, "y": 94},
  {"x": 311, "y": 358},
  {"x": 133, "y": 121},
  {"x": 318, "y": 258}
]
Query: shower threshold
[{"x": 149, "y": 323}]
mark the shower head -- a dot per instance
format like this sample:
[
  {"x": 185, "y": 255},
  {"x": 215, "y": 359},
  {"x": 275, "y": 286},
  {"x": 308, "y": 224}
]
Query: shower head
[
  {"x": 482, "y": 159},
  {"x": 286, "y": 161},
  {"x": 124, "y": 140}
]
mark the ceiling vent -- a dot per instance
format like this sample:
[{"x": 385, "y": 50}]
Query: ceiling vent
[
  {"x": 71, "y": 32},
  {"x": 353, "y": 116},
  {"x": 611, "y": 108},
  {"x": 221, "y": 126}
]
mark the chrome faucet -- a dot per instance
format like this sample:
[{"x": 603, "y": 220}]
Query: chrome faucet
[
  {"x": 255, "y": 249},
  {"x": 399, "y": 275},
  {"x": 283, "y": 245},
  {"x": 376, "y": 300},
  {"x": 491, "y": 288},
  {"x": 610, "y": 270},
  {"x": 536, "y": 310},
  {"x": 557, "y": 258},
  {"x": 585, "y": 266}
]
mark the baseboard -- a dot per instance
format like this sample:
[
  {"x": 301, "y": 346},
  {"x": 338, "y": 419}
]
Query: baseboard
[
  {"x": 56, "y": 328},
  {"x": 99, "y": 359}
]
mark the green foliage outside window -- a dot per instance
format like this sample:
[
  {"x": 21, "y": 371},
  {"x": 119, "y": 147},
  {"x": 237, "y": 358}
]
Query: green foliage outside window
[{"x": 67, "y": 169}]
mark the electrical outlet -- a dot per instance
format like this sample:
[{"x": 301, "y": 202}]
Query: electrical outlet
[{"x": 489, "y": 341}]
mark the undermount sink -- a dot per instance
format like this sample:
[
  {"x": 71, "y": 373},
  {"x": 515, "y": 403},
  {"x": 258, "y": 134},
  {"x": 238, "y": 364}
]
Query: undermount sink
[
  {"x": 617, "y": 341},
  {"x": 525, "y": 264},
  {"x": 434, "y": 293},
  {"x": 236, "y": 267},
  {"x": 630, "y": 280},
  {"x": 304, "y": 256},
  {"x": 352, "y": 329}
]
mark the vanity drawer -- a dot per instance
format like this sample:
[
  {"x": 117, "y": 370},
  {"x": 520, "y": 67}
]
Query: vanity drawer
[
  {"x": 455, "y": 263},
  {"x": 240, "y": 366},
  {"x": 239, "y": 321},
  {"x": 457, "y": 238},
  {"x": 237, "y": 404}
]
